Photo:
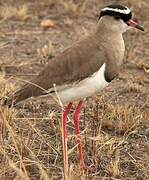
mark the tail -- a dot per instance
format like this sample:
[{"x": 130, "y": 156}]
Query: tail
[
  {"x": 27, "y": 91},
  {"x": 14, "y": 99},
  {"x": 7, "y": 102}
]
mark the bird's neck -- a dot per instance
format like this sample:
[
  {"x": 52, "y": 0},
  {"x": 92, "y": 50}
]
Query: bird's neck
[
  {"x": 105, "y": 29},
  {"x": 112, "y": 42}
]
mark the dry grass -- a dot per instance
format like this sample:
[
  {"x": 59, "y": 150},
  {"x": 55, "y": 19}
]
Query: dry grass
[
  {"x": 47, "y": 52},
  {"x": 132, "y": 87},
  {"x": 31, "y": 147},
  {"x": 18, "y": 152},
  {"x": 5, "y": 87},
  {"x": 71, "y": 7},
  {"x": 118, "y": 118},
  {"x": 8, "y": 12},
  {"x": 74, "y": 8}
]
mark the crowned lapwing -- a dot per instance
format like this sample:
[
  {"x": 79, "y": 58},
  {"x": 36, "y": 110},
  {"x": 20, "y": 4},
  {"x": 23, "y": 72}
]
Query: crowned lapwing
[{"x": 84, "y": 69}]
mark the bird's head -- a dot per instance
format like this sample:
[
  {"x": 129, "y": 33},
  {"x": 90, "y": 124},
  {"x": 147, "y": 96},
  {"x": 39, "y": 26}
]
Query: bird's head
[{"x": 118, "y": 18}]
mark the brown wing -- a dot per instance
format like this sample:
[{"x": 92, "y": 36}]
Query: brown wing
[{"x": 75, "y": 63}]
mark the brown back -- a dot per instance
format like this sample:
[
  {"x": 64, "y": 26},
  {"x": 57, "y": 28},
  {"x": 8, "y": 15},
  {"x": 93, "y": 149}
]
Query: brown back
[{"x": 74, "y": 64}]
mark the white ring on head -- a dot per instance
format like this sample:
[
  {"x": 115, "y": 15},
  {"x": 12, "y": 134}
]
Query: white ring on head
[{"x": 123, "y": 11}]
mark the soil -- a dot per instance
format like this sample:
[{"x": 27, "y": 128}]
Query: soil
[{"x": 115, "y": 123}]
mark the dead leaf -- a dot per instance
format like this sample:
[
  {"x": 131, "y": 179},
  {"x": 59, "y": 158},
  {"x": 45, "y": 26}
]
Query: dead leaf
[{"x": 47, "y": 23}]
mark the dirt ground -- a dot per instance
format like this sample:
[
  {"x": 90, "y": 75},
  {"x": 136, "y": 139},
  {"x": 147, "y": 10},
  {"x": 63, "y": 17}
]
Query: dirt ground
[{"x": 114, "y": 124}]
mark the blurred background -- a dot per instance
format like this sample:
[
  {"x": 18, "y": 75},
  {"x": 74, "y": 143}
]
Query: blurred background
[{"x": 115, "y": 124}]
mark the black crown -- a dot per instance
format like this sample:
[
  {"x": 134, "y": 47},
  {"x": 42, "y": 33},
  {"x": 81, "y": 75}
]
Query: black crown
[{"x": 117, "y": 11}]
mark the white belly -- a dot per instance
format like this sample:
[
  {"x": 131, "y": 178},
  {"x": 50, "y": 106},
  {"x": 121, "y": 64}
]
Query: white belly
[{"x": 84, "y": 88}]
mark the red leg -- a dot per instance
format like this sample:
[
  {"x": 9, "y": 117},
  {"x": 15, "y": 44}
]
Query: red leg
[
  {"x": 77, "y": 132},
  {"x": 64, "y": 137}
]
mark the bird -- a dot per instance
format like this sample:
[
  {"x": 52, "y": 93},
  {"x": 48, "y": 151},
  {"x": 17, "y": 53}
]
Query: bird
[{"x": 82, "y": 70}]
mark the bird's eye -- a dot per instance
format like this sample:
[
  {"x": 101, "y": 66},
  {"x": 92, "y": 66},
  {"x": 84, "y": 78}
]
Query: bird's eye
[{"x": 117, "y": 17}]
